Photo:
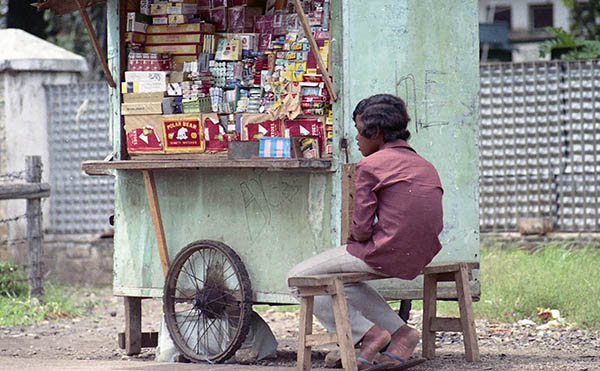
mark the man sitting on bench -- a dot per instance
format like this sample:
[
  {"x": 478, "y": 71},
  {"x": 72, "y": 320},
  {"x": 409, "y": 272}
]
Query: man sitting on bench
[{"x": 395, "y": 226}]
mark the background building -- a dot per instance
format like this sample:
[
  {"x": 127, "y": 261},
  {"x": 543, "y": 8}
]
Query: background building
[{"x": 511, "y": 30}]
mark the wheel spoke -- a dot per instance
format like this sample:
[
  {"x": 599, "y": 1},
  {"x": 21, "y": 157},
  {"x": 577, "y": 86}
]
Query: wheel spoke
[{"x": 192, "y": 262}]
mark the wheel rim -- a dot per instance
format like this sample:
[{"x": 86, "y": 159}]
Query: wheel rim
[{"x": 207, "y": 301}]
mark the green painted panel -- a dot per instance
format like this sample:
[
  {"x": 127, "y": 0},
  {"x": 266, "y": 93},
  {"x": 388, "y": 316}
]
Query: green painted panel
[
  {"x": 425, "y": 51},
  {"x": 271, "y": 219}
]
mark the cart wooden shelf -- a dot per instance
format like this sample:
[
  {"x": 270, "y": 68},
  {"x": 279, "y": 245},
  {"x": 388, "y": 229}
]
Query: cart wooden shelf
[{"x": 218, "y": 162}]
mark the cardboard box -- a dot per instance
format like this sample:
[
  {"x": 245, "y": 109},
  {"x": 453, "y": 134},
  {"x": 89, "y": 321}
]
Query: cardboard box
[
  {"x": 135, "y": 37},
  {"x": 162, "y": 39},
  {"x": 143, "y": 97},
  {"x": 154, "y": 76},
  {"x": 179, "y": 60},
  {"x": 306, "y": 126},
  {"x": 159, "y": 8},
  {"x": 143, "y": 87},
  {"x": 160, "y": 19},
  {"x": 182, "y": 28},
  {"x": 174, "y": 49},
  {"x": 178, "y": 18},
  {"x": 258, "y": 125},
  {"x": 143, "y": 108},
  {"x": 164, "y": 133},
  {"x": 215, "y": 136},
  {"x": 241, "y": 18},
  {"x": 137, "y": 27},
  {"x": 182, "y": 8},
  {"x": 218, "y": 17},
  {"x": 144, "y": 139}
]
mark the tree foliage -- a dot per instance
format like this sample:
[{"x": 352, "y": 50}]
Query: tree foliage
[
  {"x": 584, "y": 18},
  {"x": 68, "y": 31}
]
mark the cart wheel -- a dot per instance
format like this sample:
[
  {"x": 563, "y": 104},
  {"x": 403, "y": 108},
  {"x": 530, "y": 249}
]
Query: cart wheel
[{"x": 207, "y": 301}]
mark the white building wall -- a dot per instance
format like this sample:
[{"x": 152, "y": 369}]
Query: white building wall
[{"x": 520, "y": 17}]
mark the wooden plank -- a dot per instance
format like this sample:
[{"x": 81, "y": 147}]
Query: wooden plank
[
  {"x": 24, "y": 191},
  {"x": 304, "y": 350},
  {"x": 133, "y": 325},
  {"x": 348, "y": 191},
  {"x": 429, "y": 314},
  {"x": 446, "y": 324},
  {"x": 316, "y": 50},
  {"x": 321, "y": 339},
  {"x": 448, "y": 267},
  {"x": 328, "y": 279},
  {"x": 35, "y": 246},
  {"x": 95, "y": 43},
  {"x": 466, "y": 314},
  {"x": 314, "y": 291},
  {"x": 149, "y": 340},
  {"x": 122, "y": 68},
  {"x": 92, "y": 167},
  {"x": 161, "y": 242},
  {"x": 342, "y": 327}
]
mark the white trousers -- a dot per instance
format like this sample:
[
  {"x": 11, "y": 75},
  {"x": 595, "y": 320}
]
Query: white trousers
[{"x": 366, "y": 307}]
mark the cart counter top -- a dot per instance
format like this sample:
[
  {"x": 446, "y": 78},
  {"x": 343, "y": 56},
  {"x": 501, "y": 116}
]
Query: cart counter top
[{"x": 99, "y": 167}]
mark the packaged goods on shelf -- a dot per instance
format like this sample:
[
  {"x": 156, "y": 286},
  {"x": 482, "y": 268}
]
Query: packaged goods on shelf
[
  {"x": 246, "y": 66},
  {"x": 274, "y": 147}
]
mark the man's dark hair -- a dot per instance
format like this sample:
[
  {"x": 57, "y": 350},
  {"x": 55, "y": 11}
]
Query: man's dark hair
[{"x": 385, "y": 113}]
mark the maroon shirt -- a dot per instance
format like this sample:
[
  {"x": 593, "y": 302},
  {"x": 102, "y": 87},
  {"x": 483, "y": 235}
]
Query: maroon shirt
[{"x": 404, "y": 192}]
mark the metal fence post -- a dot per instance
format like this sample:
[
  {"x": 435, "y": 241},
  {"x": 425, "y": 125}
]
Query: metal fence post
[{"x": 35, "y": 249}]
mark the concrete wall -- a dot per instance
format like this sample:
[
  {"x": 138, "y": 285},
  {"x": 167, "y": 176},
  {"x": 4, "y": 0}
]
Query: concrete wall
[{"x": 24, "y": 125}]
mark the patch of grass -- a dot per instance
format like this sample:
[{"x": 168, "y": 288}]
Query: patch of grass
[
  {"x": 515, "y": 282},
  {"x": 58, "y": 302},
  {"x": 13, "y": 280}
]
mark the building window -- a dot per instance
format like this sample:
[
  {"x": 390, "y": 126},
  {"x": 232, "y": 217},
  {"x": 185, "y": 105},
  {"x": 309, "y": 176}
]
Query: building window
[
  {"x": 501, "y": 15},
  {"x": 542, "y": 16}
]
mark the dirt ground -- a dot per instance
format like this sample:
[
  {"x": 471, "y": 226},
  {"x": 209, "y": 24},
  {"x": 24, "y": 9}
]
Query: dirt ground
[{"x": 502, "y": 346}]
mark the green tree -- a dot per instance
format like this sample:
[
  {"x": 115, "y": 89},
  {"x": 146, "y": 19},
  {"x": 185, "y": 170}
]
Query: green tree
[
  {"x": 584, "y": 18},
  {"x": 68, "y": 31}
]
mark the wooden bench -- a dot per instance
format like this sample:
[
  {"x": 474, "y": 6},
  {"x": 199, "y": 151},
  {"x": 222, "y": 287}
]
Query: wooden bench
[{"x": 333, "y": 285}]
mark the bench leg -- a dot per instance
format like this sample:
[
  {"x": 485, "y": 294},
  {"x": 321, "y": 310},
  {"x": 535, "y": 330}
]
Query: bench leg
[
  {"x": 306, "y": 313},
  {"x": 342, "y": 328},
  {"x": 133, "y": 325},
  {"x": 467, "y": 319},
  {"x": 429, "y": 314}
]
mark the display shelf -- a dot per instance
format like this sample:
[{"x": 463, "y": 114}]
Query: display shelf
[{"x": 99, "y": 167}]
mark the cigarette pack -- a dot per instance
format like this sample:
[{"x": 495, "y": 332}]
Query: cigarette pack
[
  {"x": 144, "y": 139},
  {"x": 182, "y": 28},
  {"x": 308, "y": 126},
  {"x": 241, "y": 18},
  {"x": 143, "y": 87},
  {"x": 178, "y": 18},
  {"x": 182, "y": 8},
  {"x": 159, "y": 8},
  {"x": 255, "y": 126},
  {"x": 154, "y": 76},
  {"x": 161, "y": 39},
  {"x": 143, "y": 108},
  {"x": 174, "y": 49},
  {"x": 143, "y": 97},
  {"x": 160, "y": 19},
  {"x": 183, "y": 134},
  {"x": 164, "y": 133}
]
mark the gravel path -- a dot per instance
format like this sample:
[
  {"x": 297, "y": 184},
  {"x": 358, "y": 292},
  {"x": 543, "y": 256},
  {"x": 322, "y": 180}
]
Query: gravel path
[{"x": 502, "y": 346}]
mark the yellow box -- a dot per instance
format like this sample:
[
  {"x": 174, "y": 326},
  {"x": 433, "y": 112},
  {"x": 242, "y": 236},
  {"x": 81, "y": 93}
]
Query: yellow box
[
  {"x": 143, "y": 97},
  {"x": 177, "y": 18},
  {"x": 162, "y": 39},
  {"x": 142, "y": 108},
  {"x": 173, "y": 49},
  {"x": 159, "y": 8},
  {"x": 181, "y": 28},
  {"x": 135, "y": 37}
]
